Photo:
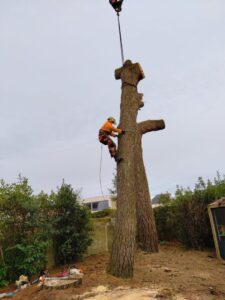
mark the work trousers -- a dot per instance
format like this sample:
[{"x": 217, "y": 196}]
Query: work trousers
[{"x": 106, "y": 140}]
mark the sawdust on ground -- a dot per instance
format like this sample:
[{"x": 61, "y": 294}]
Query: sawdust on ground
[{"x": 173, "y": 273}]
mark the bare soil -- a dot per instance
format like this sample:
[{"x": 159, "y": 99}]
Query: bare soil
[{"x": 173, "y": 273}]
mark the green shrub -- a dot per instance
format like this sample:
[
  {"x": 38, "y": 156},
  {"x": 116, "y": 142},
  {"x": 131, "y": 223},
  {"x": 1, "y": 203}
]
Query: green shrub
[
  {"x": 24, "y": 229},
  {"x": 165, "y": 217},
  {"x": 185, "y": 217},
  {"x": 3, "y": 282},
  {"x": 27, "y": 259},
  {"x": 72, "y": 225},
  {"x": 29, "y": 223}
]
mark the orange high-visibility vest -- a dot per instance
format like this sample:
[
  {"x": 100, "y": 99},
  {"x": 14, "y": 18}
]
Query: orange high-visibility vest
[{"x": 107, "y": 126}]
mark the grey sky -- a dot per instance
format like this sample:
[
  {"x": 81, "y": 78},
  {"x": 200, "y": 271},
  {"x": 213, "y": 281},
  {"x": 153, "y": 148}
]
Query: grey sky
[{"x": 57, "y": 87}]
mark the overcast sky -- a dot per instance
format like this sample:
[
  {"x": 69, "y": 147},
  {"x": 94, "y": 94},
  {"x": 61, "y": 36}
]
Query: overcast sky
[{"x": 57, "y": 87}]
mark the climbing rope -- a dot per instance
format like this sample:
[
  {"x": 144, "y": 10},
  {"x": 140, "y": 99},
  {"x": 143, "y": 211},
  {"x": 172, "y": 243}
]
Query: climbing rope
[
  {"x": 100, "y": 174},
  {"x": 121, "y": 41}
]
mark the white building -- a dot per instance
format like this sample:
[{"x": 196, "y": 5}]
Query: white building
[{"x": 99, "y": 203}]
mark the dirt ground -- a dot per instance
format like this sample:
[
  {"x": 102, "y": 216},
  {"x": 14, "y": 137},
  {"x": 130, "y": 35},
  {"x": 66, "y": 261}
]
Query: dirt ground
[{"x": 173, "y": 273}]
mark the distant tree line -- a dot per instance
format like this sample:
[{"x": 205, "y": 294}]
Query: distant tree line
[
  {"x": 30, "y": 223},
  {"x": 184, "y": 217}
]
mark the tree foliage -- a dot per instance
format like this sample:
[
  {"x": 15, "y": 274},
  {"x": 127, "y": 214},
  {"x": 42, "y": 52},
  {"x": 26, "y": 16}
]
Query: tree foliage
[
  {"x": 71, "y": 224},
  {"x": 185, "y": 217},
  {"x": 23, "y": 227},
  {"x": 3, "y": 282},
  {"x": 29, "y": 223}
]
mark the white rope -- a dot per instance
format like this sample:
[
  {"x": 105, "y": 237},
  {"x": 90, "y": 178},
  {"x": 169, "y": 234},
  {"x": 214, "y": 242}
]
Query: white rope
[{"x": 100, "y": 174}]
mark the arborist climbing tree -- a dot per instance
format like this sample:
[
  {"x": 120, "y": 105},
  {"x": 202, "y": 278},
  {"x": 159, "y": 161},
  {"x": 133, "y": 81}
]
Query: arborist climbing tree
[
  {"x": 135, "y": 219},
  {"x": 107, "y": 130}
]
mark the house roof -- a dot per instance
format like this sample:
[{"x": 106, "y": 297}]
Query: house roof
[
  {"x": 217, "y": 203},
  {"x": 96, "y": 199}
]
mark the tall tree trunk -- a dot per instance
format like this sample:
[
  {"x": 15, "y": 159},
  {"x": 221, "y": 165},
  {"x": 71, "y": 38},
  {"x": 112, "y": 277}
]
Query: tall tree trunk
[
  {"x": 123, "y": 248},
  {"x": 147, "y": 237},
  {"x": 133, "y": 198},
  {"x": 1, "y": 255}
]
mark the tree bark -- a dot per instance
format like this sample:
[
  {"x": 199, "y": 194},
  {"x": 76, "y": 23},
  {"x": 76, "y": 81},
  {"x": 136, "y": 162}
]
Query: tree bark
[
  {"x": 147, "y": 237},
  {"x": 135, "y": 219},
  {"x": 122, "y": 254},
  {"x": 151, "y": 125},
  {"x": 2, "y": 255}
]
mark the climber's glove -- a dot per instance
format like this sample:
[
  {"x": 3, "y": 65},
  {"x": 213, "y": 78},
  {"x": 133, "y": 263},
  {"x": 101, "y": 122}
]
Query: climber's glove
[{"x": 122, "y": 133}]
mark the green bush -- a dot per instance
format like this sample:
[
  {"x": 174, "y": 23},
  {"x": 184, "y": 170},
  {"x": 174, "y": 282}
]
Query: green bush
[
  {"x": 72, "y": 225},
  {"x": 27, "y": 259},
  {"x": 165, "y": 217},
  {"x": 185, "y": 217},
  {"x": 24, "y": 229},
  {"x": 3, "y": 282},
  {"x": 29, "y": 224}
]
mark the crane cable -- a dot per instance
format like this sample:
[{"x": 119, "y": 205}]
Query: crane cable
[
  {"x": 121, "y": 41},
  {"x": 122, "y": 57}
]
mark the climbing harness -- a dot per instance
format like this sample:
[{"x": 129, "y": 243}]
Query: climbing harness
[{"x": 117, "y": 5}]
